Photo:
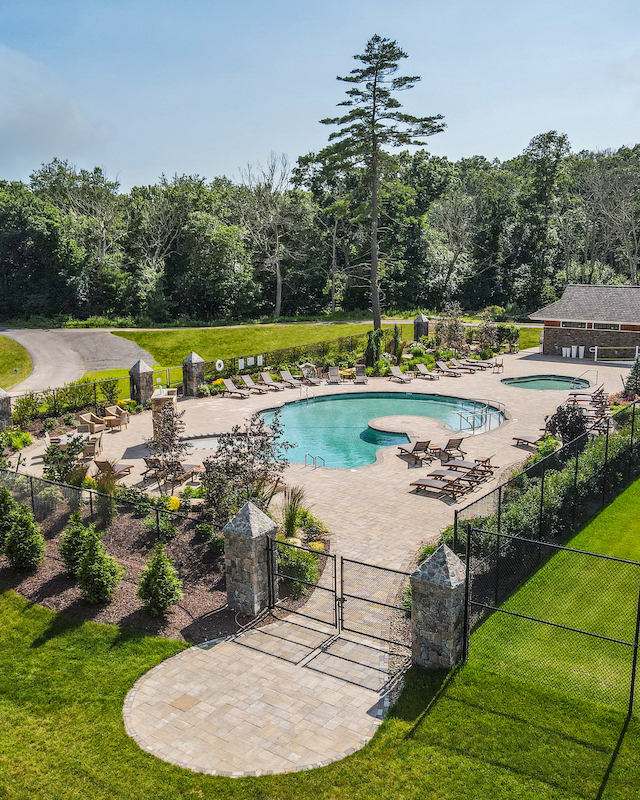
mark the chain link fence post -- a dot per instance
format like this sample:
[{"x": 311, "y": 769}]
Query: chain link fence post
[
  {"x": 605, "y": 466},
  {"x": 33, "y": 500}
]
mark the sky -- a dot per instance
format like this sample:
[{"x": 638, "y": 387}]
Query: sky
[{"x": 150, "y": 87}]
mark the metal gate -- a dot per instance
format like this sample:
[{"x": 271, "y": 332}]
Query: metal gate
[
  {"x": 287, "y": 564},
  {"x": 375, "y": 602}
]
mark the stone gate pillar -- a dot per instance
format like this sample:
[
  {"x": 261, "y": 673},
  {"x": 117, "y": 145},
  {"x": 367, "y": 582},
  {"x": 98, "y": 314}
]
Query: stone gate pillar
[
  {"x": 437, "y": 610},
  {"x": 141, "y": 382},
  {"x": 5, "y": 410},
  {"x": 420, "y": 327},
  {"x": 192, "y": 374},
  {"x": 246, "y": 559}
]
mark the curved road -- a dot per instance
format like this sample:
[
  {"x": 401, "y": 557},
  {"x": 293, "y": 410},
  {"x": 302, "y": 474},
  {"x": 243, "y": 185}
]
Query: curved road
[{"x": 63, "y": 355}]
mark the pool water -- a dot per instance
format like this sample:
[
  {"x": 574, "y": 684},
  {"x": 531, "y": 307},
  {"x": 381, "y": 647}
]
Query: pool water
[
  {"x": 542, "y": 382},
  {"x": 336, "y": 428}
]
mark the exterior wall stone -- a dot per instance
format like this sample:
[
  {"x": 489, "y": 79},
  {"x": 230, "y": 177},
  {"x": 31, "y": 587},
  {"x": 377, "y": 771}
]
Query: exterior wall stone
[
  {"x": 5, "y": 410},
  {"x": 557, "y": 338},
  {"x": 141, "y": 382},
  {"x": 437, "y": 610},
  {"x": 246, "y": 559},
  {"x": 192, "y": 374}
]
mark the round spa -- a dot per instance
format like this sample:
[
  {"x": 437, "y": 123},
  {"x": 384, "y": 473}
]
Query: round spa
[{"x": 547, "y": 382}]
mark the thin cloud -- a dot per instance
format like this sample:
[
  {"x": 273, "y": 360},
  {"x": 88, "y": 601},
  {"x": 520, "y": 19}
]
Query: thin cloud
[{"x": 38, "y": 117}]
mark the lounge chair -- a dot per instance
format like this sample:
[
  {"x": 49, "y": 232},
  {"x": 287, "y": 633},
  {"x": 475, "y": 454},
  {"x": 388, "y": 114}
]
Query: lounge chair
[
  {"x": 117, "y": 417},
  {"x": 451, "y": 447},
  {"x": 109, "y": 468},
  {"x": 464, "y": 367},
  {"x": 361, "y": 374},
  {"x": 231, "y": 388},
  {"x": 334, "y": 375},
  {"x": 288, "y": 378},
  {"x": 267, "y": 380},
  {"x": 445, "y": 370},
  {"x": 397, "y": 374},
  {"x": 90, "y": 423},
  {"x": 472, "y": 476},
  {"x": 594, "y": 393},
  {"x": 478, "y": 364},
  {"x": 423, "y": 372},
  {"x": 419, "y": 452},
  {"x": 154, "y": 468},
  {"x": 480, "y": 464},
  {"x": 454, "y": 489},
  {"x": 528, "y": 441},
  {"x": 248, "y": 382},
  {"x": 309, "y": 375}
]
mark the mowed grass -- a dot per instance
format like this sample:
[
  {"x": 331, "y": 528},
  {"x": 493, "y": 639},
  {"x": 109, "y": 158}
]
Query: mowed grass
[
  {"x": 473, "y": 735},
  {"x": 596, "y": 595},
  {"x": 15, "y": 363},
  {"x": 529, "y": 337},
  {"x": 170, "y": 347}
]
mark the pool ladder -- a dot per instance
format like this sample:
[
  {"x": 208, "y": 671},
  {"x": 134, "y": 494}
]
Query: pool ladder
[
  {"x": 313, "y": 460},
  {"x": 306, "y": 393},
  {"x": 478, "y": 418},
  {"x": 576, "y": 385}
]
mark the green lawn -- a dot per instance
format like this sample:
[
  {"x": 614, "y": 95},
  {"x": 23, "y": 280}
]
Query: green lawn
[
  {"x": 529, "y": 337},
  {"x": 581, "y": 592},
  {"x": 15, "y": 363},
  {"x": 62, "y": 685},
  {"x": 170, "y": 347}
]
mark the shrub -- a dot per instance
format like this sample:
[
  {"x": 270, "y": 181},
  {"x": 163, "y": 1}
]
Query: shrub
[
  {"x": 74, "y": 541},
  {"x": 568, "y": 423},
  {"x": 58, "y": 463},
  {"x": 69, "y": 420},
  {"x": 203, "y": 390},
  {"x": 161, "y": 525},
  {"x": 293, "y": 499},
  {"x": 15, "y": 439},
  {"x": 26, "y": 408},
  {"x": 7, "y": 507},
  {"x": 159, "y": 587},
  {"x": 173, "y": 503},
  {"x": 98, "y": 573},
  {"x": 50, "y": 423},
  {"x": 47, "y": 500},
  {"x": 298, "y": 565},
  {"x": 24, "y": 544},
  {"x": 109, "y": 391},
  {"x": 313, "y": 527},
  {"x": 105, "y": 501}
]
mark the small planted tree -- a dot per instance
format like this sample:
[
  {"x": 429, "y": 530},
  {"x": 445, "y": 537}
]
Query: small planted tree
[
  {"x": 632, "y": 385},
  {"x": 486, "y": 334},
  {"x": 74, "y": 541},
  {"x": 24, "y": 545},
  {"x": 159, "y": 587},
  {"x": 568, "y": 423},
  {"x": 98, "y": 573},
  {"x": 449, "y": 328},
  {"x": 166, "y": 443},
  {"x": 59, "y": 463},
  {"x": 7, "y": 507},
  {"x": 372, "y": 350}
]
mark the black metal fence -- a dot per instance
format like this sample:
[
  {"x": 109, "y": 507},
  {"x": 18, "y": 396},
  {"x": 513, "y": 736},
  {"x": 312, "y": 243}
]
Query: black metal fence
[{"x": 558, "y": 616}]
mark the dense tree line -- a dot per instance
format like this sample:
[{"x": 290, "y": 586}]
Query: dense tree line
[{"x": 297, "y": 242}]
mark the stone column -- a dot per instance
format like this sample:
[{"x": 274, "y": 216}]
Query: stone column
[
  {"x": 437, "y": 610},
  {"x": 5, "y": 410},
  {"x": 192, "y": 374},
  {"x": 246, "y": 558},
  {"x": 420, "y": 327},
  {"x": 141, "y": 382}
]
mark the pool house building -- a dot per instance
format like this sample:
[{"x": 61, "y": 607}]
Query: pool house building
[{"x": 601, "y": 323}]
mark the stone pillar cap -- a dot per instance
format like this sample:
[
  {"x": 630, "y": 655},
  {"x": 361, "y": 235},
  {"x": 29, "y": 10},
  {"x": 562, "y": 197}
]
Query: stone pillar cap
[
  {"x": 193, "y": 358},
  {"x": 140, "y": 366},
  {"x": 251, "y": 522},
  {"x": 442, "y": 568},
  {"x": 3, "y": 393},
  {"x": 421, "y": 318}
]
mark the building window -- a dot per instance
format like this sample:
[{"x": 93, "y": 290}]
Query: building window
[
  {"x": 574, "y": 324},
  {"x": 606, "y": 326}
]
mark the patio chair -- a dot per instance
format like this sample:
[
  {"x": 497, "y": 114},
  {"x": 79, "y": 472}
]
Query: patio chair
[
  {"x": 90, "y": 423},
  {"x": 248, "y": 382},
  {"x": 109, "y": 468},
  {"x": 91, "y": 450},
  {"x": 445, "y": 370},
  {"x": 334, "y": 375},
  {"x": 464, "y": 367},
  {"x": 361, "y": 374},
  {"x": 117, "y": 417},
  {"x": 309, "y": 375},
  {"x": 287, "y": 377},
  {"x": 231, "y": 388},
  {"x": 424, "y": 372},
  {"x": 397, "y": 374},
  {"x": 178, "y": 473},
  {"x": 451, "y": 447},
  {"x": 267, "y": 380},
  {"x": 419, "y": 452},
  {"x": 454, "y": 489},
  {"x": 498, "y": 366},
  {"x": 528, "y": 441},
  {"x": 154, "y": 468}
]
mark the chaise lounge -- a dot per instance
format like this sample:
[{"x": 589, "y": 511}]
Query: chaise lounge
[
  {"x": 287, "y": 377},
  {"x": 249, "y": 383},
  {"x": 267, "y": 380},
  {"x": 397, "y": 374},
  {"x": 424, "y": 372},
  {"x": 419, "y": 452},
  {"x": 231, "y": 388},
  {"x": 446, "y": 370}
]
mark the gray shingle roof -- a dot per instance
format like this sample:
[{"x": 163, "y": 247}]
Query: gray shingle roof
[{"x": 585, "y": 303}]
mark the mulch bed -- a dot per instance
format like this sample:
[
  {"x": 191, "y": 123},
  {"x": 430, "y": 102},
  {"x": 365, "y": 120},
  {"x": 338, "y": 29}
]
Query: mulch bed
[{"x": 202, "y": 615}]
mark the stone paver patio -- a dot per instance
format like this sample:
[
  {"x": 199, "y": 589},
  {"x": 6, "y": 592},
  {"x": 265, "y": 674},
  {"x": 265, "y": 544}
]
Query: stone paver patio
[{"x": 291, "y": 695}]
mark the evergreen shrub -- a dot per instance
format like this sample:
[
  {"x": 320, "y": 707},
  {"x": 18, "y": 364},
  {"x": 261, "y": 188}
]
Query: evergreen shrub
[
  {"x": 159, "y": 587},
  {"x": 24, "y": 544}
]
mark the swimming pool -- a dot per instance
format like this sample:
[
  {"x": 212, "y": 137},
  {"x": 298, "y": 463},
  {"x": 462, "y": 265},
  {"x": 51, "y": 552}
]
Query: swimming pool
[
  {"x": 542, "y": 382},
  {"x": 336, "y": 427}
]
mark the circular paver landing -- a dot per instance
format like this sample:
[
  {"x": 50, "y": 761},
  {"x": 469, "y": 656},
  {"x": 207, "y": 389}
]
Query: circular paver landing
[{"x": 281, "y": 698}]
